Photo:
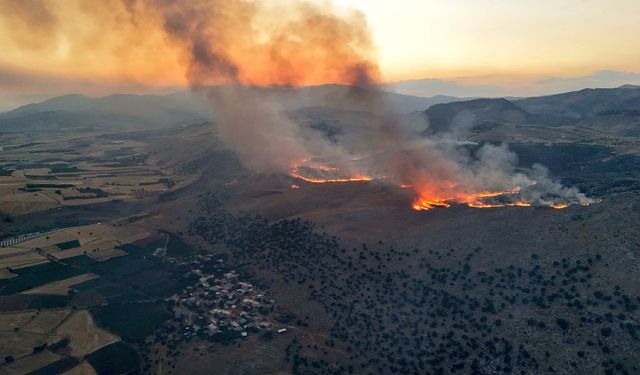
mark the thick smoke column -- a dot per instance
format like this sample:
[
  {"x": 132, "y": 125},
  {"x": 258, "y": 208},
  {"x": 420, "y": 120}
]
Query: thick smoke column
[{"x": 237, "y": 43}]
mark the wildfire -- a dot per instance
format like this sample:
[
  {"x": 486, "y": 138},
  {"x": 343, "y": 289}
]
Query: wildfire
[
  {"x": 423, "y": 204},
  {"x": 426, "y": 200},
  {"x": 496, "y": 205},
  {"x": 477, "y": 200},
  {"x": 322, "y": 174},
  {"x": 324, "y": 181}
]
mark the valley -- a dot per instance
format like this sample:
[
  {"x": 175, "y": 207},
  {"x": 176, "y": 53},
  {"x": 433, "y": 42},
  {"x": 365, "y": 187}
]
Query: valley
[{"x": 157, "y": 251}]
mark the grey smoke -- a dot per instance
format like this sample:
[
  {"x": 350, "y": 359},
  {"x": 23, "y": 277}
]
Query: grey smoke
[{"x": 391, "y": 147}]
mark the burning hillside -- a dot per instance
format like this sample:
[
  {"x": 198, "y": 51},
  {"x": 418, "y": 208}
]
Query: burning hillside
[
  {"x": 440, "y": 171},
  {"x": 251, "y": 43},
  {"x": 429, "y": 197}
]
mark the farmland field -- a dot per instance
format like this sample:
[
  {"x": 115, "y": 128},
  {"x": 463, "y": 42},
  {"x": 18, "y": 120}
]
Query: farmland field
[
  {"x": 84, "y": 336},
  {"x": 160, "y": 250}
]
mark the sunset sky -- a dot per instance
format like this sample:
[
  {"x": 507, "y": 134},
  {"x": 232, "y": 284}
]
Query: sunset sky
[
  {"x": 510, "y": 47},
  {"x": 479, "y": 38}
]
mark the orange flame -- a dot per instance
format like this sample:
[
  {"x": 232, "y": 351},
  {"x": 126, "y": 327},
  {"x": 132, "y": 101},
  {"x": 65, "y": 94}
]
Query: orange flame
[
  {"x": 496, "y": 205},
  {"x": 426, "y": 199},
  {"x": 475, "y": 200},
  {"x": 333, "y": 175},
  {"x": 329, "y": 180}
]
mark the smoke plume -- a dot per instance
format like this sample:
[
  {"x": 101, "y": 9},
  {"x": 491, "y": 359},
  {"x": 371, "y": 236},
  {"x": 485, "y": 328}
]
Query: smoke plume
[{"x": 248, "y": 44}]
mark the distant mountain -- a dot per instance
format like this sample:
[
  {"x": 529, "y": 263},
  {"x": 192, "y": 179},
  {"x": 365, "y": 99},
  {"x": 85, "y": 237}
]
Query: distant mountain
[
  {"x": 118, "y": 110},
  {"x": 338, "y": 96},
  {"x": 584, "y": 103},
  {"x": 430, "y": 86},
  {"x": 341, "y": 96},
  {"x": 47, "y": 121},
  {"x": 148, "y": 111},
  {"x": 465, "y": 88},
  {"x": 481, "y": 113},
  {"x": 625, "y": 122}
]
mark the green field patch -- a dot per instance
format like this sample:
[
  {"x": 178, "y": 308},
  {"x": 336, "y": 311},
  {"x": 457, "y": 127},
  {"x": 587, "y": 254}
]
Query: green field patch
[
  {"x": 15, "y": 302},
  {"x": 112, "y": 290},
  {"x": 145, "y": 246},
  {"x": 41, "y": 177},
  {"x": 117, "y": 358},
  {"x": 32, "y": 277},
  {"x": 128, "y": 297},
  {"x": 81, "y": 261},
  {"x": 92, "y": 193},
  {"x": 154, "y": 281},
  {"x": 123, "y": 151},
  {"x": 48, "y": 302},
  {"x": 121, "y": 267},
  {"x": 132, "y": 321},
  {"x": 6, "y": 172},
  {"x": 49, "y": 186},
  {"x": 127, "y": 162},
  {"x": 147, "y": 276},
  {"x": 57, "y": 367},
  {"x": 176, "y": 247},
  {"x": 68, "y": 245},
  {"x": 59, "y": 168},
  {"x": 126, "y": 275},
  {"x": 91, "y": 284}
]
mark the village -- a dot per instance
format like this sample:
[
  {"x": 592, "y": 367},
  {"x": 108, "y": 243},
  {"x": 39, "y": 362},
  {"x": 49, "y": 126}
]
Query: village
[{"x": 219, "y": 306}]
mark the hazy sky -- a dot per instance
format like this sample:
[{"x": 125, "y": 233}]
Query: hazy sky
[
  {"x": 514, "y": 47},
  {"x": 478, "y": 38}
]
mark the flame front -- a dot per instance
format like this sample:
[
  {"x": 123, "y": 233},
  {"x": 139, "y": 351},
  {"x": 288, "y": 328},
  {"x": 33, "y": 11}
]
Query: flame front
[
  {"x": 426, "y": 202},
  {"x": 427, "y": 197},
  {"x": 320, "y": 174}
]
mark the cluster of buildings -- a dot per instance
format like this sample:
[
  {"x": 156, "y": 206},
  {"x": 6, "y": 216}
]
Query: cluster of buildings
[{"x": 220, "y": 306}]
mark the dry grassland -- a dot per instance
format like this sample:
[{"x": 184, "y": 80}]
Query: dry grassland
[{"x": 85, "y": 336}]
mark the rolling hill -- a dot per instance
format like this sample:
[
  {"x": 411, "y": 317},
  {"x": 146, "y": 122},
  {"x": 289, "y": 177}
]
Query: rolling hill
[
  {"x": 584, "y": 103},
  {"x": 151, "y": 111}
]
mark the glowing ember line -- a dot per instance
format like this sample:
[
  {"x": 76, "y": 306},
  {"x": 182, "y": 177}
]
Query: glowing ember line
[
  {"x": 475, "y": 200},
  {"x": 329, "y": 180},
  {"x": 497, "y": 205},
  {"x": 427, "y": 200},
  {"x": 426, "y": 205},
  {"x": 295, "y": 172}
]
